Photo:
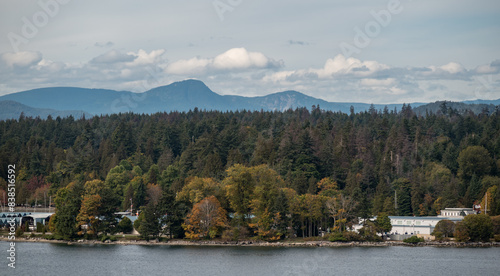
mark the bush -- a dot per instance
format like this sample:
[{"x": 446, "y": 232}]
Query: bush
[
  {"x": 444, "y": 228},
  {"x": 461, "y": 232},
  {"x": 40, "y": 227},
  {"x": 496, "y": 225},
  {"x": 351, "y": 236},
  {"x": 236, "y": 233},
  {"x": 53, "y": 237},
  {"x": 413, "y": 239},
  {"x": 337, "y": 237},
  {"x": 479, "y": 227},
  {"x": 112, "y": 238},
  {"x": 104, "y": 238},
  {"x": 125, "y": 225},
  {"x": 438, "y": 235},
  {"x": 497, "y": 238},
  {"x": 369, "y": 233},
  {"x": 19, "y": 231}
]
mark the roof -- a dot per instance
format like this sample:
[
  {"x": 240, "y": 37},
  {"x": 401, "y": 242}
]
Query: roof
[
  {"x": 132, "y": 218},
  {"x": 425, "y": 218},
  {"x": 39, "y": 215}
]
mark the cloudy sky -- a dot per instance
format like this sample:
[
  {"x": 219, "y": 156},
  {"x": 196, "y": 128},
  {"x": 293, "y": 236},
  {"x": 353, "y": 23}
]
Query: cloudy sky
[{"x": 374, "y": 51}]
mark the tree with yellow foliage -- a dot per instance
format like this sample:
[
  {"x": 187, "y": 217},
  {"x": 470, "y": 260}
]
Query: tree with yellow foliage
[
  {"x": 87, "y": 219},
  {"x": 197, "y": 189},
  {"x": 206, "y": 220}
]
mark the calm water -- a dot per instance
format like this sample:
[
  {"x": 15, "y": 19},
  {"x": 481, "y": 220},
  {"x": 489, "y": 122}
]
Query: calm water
[{"x": 61, "y": 259}]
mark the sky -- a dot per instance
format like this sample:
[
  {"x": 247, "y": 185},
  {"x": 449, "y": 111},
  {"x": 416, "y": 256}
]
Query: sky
[{"x": 371, "y": 51}]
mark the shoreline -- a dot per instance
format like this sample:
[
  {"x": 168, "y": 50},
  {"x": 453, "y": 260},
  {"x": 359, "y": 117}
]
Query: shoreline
[{"x": 262, "y": 243}]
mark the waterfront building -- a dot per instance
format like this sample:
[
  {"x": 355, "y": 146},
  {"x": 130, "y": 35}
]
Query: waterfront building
[{"x": 407, "y": 226}]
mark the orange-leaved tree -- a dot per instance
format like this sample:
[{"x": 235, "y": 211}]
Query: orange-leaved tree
[{"x": 207, "y": 219}]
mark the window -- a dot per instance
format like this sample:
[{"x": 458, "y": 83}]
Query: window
[
  {"x": 417, "y": 223},
  {"x": 399, "y": 222}
]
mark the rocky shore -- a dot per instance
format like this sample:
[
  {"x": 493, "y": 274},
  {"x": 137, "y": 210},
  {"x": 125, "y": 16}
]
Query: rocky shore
[{"x": 263, "y": 243}]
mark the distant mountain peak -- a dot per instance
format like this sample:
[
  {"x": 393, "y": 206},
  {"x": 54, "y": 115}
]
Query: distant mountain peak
[
  {"x": 178, "y": 96},
  {"x": 186, "y": 86}
]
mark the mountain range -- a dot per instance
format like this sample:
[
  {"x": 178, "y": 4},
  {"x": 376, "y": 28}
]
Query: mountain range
[
  {"x": 13, "y": 110},
  {"x": 178, "y": 96}
]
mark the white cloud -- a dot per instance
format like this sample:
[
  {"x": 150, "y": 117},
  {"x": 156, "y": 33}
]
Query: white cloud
[
  {"x": 340, "y": 65},
  {"x": 450, "y": 68},
  {"x": 233, "y": 59},
  {"x": 188, "y": 66},
  {"x": 486, "y": 69},
  {"x": 239, "y": 71},
  {"x": 492, "y": 68},
  {"x": 282, "y": 76},
  {"x": 21, "y": 59},
  {"x": 113, "y": 56},
  {"x": 144, "y": 58},
  {"x": 334, "y": 68},
  {"x": 378, "y": 82},
  {"x": 453, "y": 68},
  {"x": 240, "y": 58}
]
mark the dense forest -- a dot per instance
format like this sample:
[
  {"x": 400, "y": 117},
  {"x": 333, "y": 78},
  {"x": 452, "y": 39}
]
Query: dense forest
[{"x": 269, "y": 174}]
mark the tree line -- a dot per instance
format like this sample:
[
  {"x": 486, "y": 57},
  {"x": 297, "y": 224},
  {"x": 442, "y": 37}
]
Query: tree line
[{"x": 263, "y": 173}]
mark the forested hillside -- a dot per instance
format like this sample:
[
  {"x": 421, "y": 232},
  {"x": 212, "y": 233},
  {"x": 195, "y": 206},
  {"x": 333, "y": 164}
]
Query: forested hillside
[{"x": 265, "y": 173}]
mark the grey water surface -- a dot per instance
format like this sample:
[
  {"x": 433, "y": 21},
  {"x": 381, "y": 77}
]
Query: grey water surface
[{"x": 63, "y": 259}]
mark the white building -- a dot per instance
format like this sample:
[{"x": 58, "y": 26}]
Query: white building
[
  {"x": 402, "y": 225},
  {"x": 456, "y": 212},
  {"x": 422, "y": 226}
]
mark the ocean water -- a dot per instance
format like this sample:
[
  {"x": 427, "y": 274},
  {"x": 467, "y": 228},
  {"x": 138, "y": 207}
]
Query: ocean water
[{"x": 100, "y": 259}]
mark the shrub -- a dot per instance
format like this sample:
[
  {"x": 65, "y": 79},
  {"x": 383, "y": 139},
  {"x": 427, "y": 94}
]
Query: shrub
[
  {"x": 369, "y": 233},
  {"x": 40, "y": 227},
  {"x": 104, "y": 238},
  {"x": 413, "y": 239},
  {"x": 496, "y": 225},
  {"x": 19, "y": 231},
  {"x": 337, "y": 237},
  {"x": 439, "y": 235},
  {"x": 479, "y": 227},
  {"x": 236, "y": 233},
  {"x": 444, "y": 228},
  {"x": 112, "y": 238},
  {"x": 351, "y": 236},
  {"x": 461, "y": 232},
  {"x": 125, "y": 225},
  {"x": 497, "y": 238}
]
